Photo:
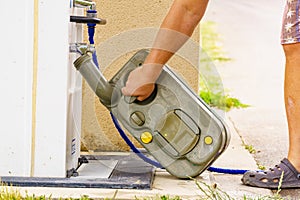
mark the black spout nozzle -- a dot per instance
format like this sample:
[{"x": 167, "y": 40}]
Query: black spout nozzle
[{"x": 86, "y": 20}]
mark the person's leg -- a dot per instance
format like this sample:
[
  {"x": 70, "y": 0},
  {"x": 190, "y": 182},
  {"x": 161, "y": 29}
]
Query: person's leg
[
  {"x": 288, "y": 169},
  {"x": 290, "y": 39},
  {"x": 292, "y": 100}
]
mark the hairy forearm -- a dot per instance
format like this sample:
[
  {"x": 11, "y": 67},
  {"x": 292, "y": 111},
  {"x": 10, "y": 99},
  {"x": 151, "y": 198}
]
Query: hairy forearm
[{"x": 176, "y": 29}]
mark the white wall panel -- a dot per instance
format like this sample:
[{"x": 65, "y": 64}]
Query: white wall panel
[
  {"x": 40, "y": 105},
  {"x": 16, "y": 55},
  {"x": 52, "y": 79}
]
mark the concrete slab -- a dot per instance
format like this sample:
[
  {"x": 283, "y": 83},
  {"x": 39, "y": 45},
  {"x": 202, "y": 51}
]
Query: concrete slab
[{"x": 236, "y": 157}]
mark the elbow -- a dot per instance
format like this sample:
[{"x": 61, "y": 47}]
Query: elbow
[{"x": 194, "y": 9}]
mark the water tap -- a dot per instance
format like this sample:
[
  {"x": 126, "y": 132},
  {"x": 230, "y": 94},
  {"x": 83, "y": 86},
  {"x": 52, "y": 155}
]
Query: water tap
[
  {"x": 81, "y": 48},
  {"x": 84, "y": 4},
  {"x": 91, "y": 13}
]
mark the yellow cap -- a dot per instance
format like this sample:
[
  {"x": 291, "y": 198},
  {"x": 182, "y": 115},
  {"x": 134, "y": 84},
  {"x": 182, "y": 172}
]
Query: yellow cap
[
  {"x": 146, "y": 137},
  {"x": 208, "y": 140}
]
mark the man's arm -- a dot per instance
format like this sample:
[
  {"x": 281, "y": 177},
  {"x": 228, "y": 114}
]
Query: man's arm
[{"x": 175, "y": 30}]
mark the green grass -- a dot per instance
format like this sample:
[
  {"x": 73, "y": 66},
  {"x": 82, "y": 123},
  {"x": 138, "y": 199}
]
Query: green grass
[
  {"x": 250, "y": 149},
  {"x": 9, "y": 193},
  {"x": 158, "y": 197},
  {"x": 211, "y": 43},
  {"x": 208, "y": 192},
  {"x": 213, "y": 192},
  {"x": 211, "y": 89},
  {"x": 221, "y": 101}
]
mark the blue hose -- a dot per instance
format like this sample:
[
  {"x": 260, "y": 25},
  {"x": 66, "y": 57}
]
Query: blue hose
[
  {"x": 158, "y": 165},
  {"x": 131, "y": 145},
  {"x": 91, "y": 33},
  {"x": 227, "y": 171}
]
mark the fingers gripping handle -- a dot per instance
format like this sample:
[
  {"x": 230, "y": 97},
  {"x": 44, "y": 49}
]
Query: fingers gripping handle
[{"x": 130, "y": 99}]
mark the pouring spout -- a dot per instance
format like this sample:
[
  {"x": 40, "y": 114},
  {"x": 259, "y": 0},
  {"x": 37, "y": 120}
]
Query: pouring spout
[{"x": 107, "y": 94}]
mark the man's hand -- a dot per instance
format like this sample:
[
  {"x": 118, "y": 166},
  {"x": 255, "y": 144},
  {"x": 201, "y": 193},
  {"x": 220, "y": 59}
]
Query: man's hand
[{"x": 141, "y": 82}]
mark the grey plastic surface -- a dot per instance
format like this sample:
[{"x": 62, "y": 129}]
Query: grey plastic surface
[{"x": 176, "y": 118}]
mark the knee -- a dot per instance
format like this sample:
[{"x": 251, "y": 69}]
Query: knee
[{"x": 292, "y": 52}]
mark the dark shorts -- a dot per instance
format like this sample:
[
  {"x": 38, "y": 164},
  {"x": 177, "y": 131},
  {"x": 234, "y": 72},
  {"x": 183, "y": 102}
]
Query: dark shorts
[{"x": 291, "y": 23}]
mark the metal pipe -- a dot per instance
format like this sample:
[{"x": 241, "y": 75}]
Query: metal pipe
[
  {"x": 85, "y": 4},
  {"x": 81, "y": 48}
]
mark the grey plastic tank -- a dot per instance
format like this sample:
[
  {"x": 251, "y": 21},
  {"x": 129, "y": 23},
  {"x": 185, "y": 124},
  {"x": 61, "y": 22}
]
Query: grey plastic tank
[{"x": 174, "y": 125}]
